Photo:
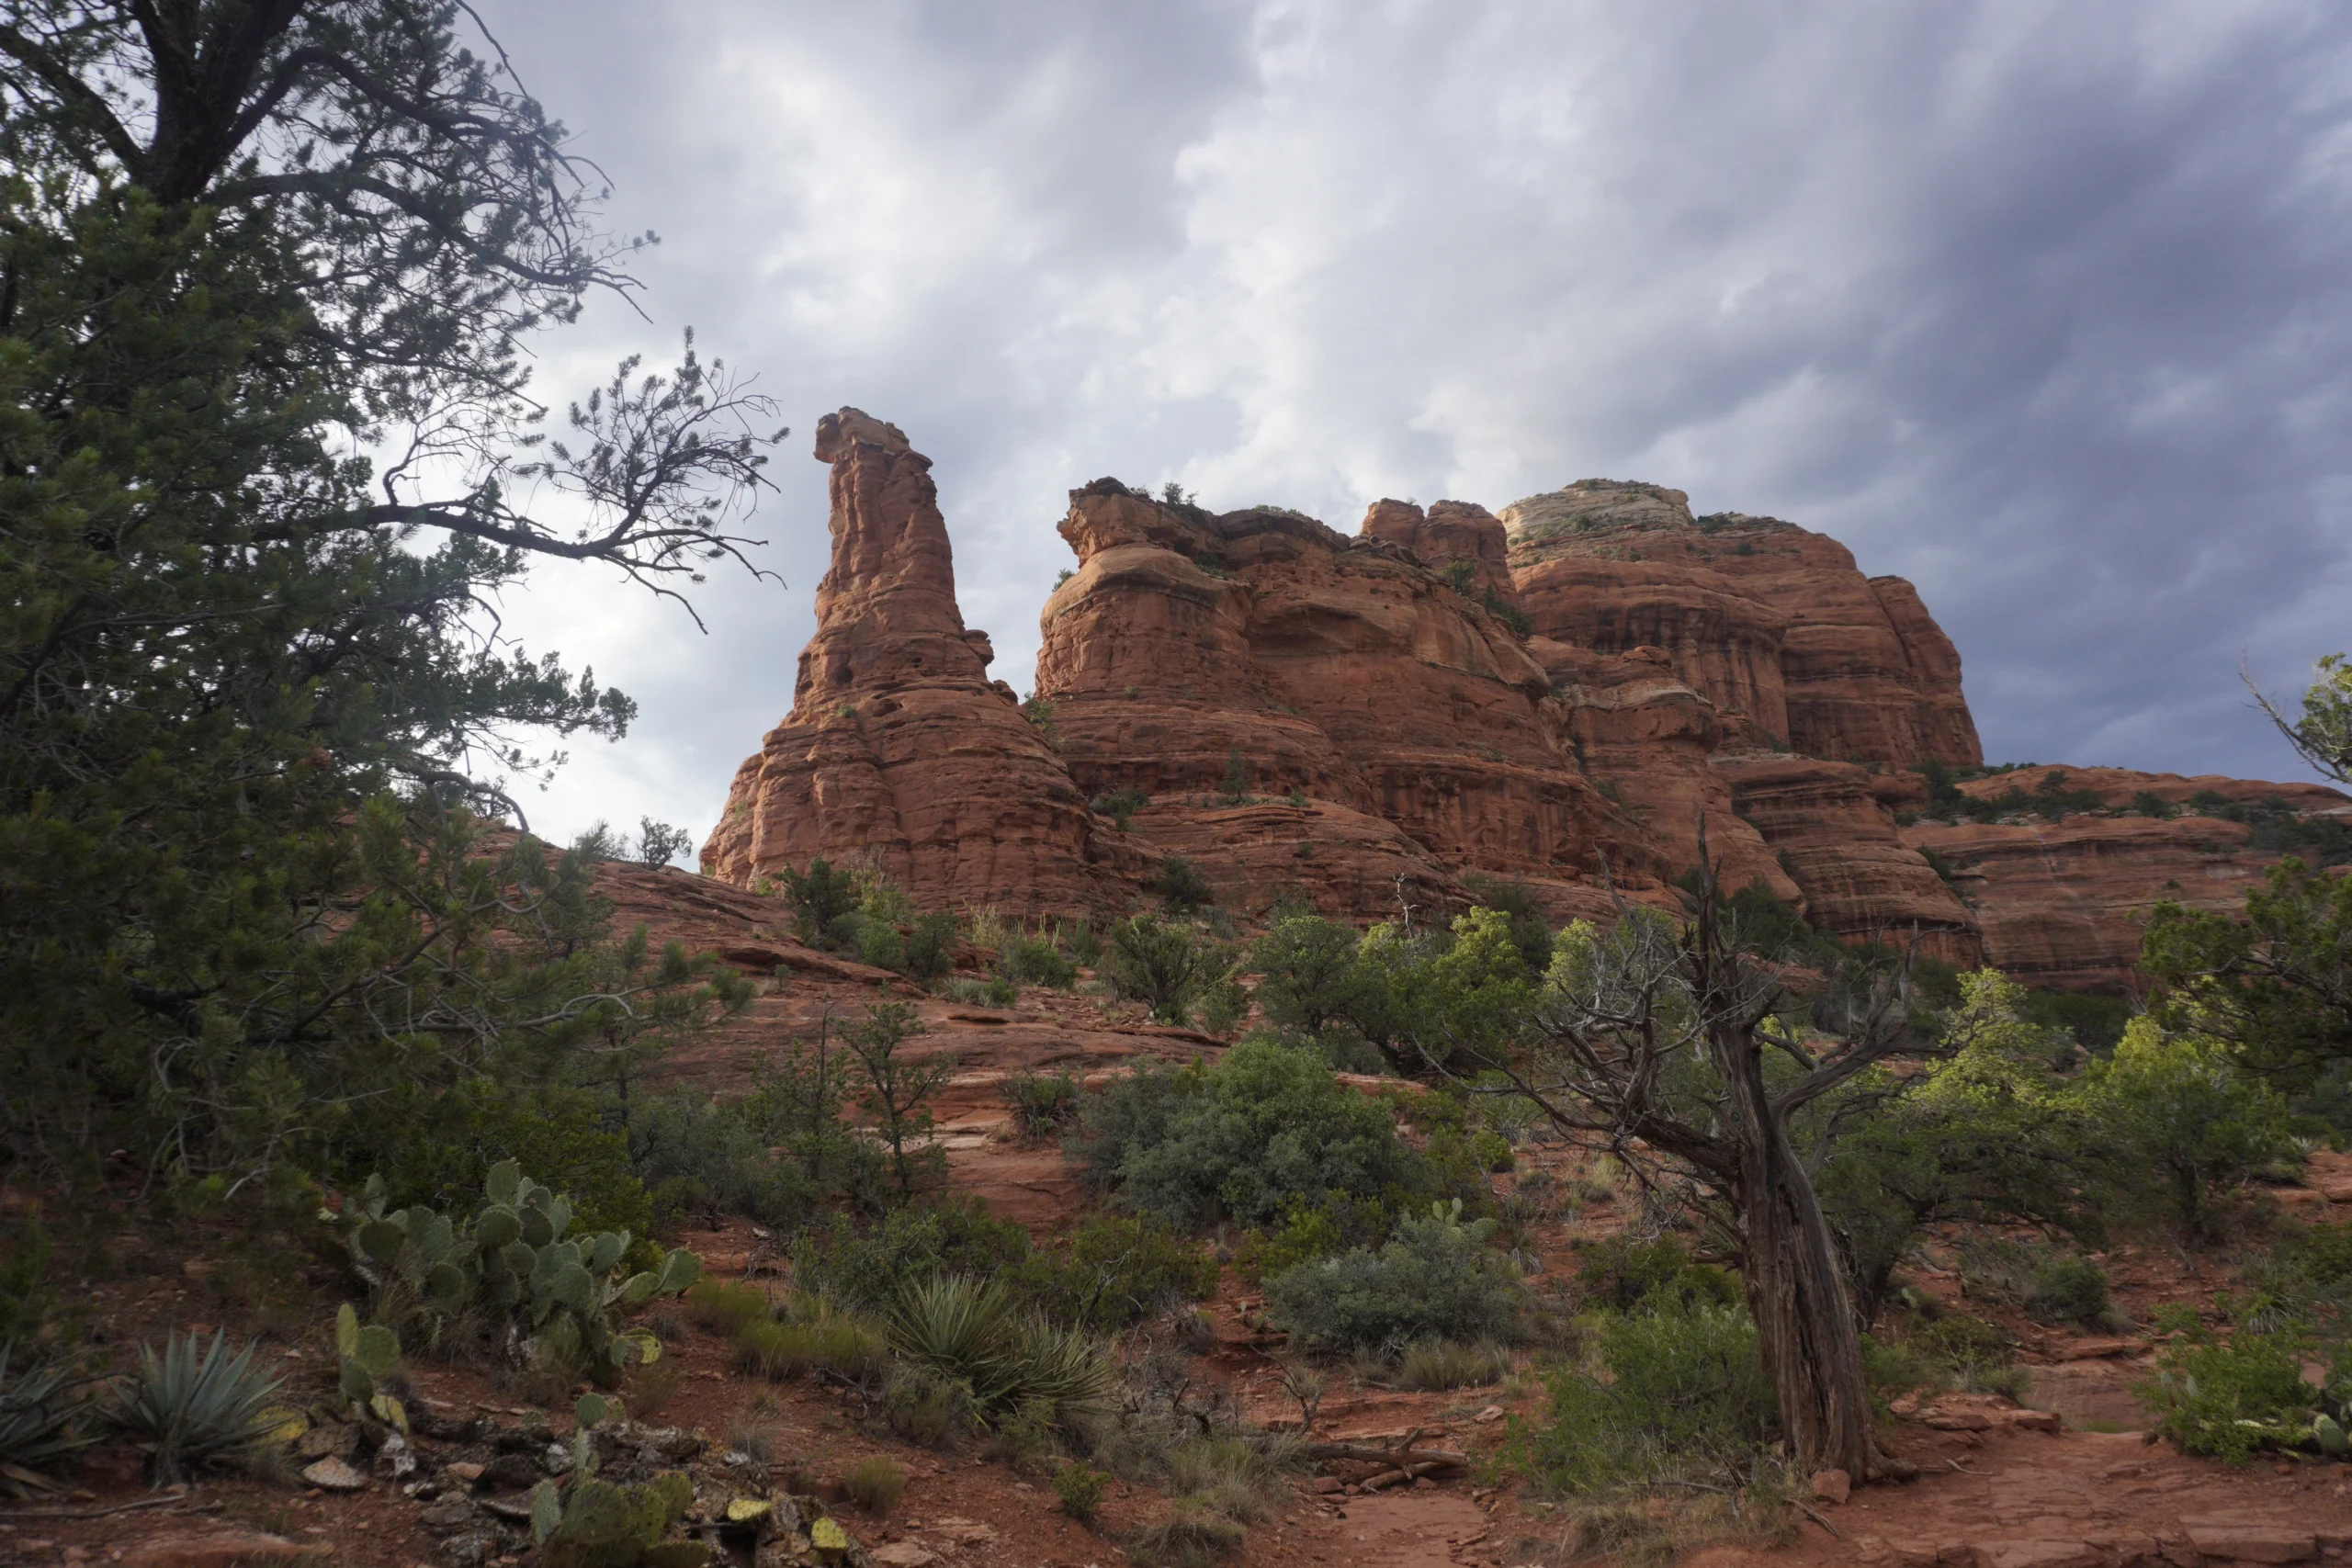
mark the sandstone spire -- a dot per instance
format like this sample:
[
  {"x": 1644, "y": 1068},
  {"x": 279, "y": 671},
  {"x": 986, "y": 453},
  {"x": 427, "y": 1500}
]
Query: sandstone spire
[{"x": 899, "y": 751}]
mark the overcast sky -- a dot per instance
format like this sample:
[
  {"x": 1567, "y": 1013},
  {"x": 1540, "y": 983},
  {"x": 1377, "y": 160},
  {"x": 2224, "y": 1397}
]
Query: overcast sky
[{"x": 2046, "y": 307}]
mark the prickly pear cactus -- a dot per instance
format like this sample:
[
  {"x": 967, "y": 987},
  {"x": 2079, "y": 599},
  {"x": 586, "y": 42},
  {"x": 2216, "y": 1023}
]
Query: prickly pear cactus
[
  {"x": 366, "y": 1355},
  {"x": 560, "y": 1295},
  {"x": 603, "y": 1524}
]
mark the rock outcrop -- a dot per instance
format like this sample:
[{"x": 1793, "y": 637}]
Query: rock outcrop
[
  {"x": 2061, "y": 898},
  {"x": 898, "y": 750},
  {"x": 1559, "y": 697},
  {"x": 1262, "y": 653},
  {"x": 1775, "y": 625}
]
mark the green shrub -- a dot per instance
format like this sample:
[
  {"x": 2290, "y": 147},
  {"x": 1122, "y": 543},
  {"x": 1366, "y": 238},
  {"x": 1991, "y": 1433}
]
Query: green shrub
[
  {"x": 1674, "y": 1393},
  {"x": 1180, "y": 885},
  {"x": 2185, "y": 1127},
  {"x": 879, "y": 943},
  {"x": 821, "y": 897},
  {"x": 1623, "y": 1275},
  {"x": 1168, "y": 965},
  {"x": 24, "y": 1295},
  {"x": 874, "y": 1484},
  {"x": 2049, "y": 1285},
  {"x": 512, "y": 1261},
  {"x": 1120, "y": 805},
  {"x": 1311, "y": 980},
  {"x": 1439, "y": 1364},
  {"x": 1117, "y": 1269},
  {"x": 931, "y": 948},
  {"x": 1241, "y": 1138},
  {"x": 1037, "y": 961},
  {"x": 1042, "y": 1106},
  {"x": 1435, "y": 1278},
  {"x": 1079, "y": 1490},
  {"x": 189, "y": 1410},
  {"x": 700, "y": 1157},
  {"x": 868, "y": 1267},
  {"x": 44, "y": 1419},
  {"x": 776, "y": 1351},
  {"x": 2229, "y": 1397},
  {"x": 853, "y": 1348},
  {"x": 1082, "y": 943},
  {"x": 1954, "y": 1351},
  {"x": 926, "y": 1406},
  {"x": 1491, "y": 1150},
  {"x": 1194, "y": 1535},
  {"x": 726, "y": 1309},
  {"x": 1237, "y": 1473}
]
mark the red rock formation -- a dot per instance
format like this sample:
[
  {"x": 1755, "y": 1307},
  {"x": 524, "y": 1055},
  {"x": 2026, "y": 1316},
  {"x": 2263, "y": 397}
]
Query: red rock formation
[
  {"x": 1187, "y": 644},
  {"x": 1647, "y": 737},
  {"x": 898, "y": 750},
  {"x": 1830, "y": 825},
  {"x": 1452, "y": 534},
  {"x": 2061, "y": 904},
  {"x": 2122, "y": 787},
  {"x": 1770, "y": 622}
]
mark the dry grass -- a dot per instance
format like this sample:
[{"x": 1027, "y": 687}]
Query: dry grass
[{"x": 874, "y": 1485}]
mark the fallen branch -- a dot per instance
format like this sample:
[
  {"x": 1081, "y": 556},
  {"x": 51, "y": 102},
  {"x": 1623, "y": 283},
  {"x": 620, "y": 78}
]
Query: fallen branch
[
  {"x": 1816, "y": 1518},
  {"x": 1400, "y": 1477},
  {"x": 1398, "y": 1455}
]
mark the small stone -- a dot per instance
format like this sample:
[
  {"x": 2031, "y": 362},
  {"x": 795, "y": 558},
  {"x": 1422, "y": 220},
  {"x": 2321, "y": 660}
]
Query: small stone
[
  {"x": 1491, "y": 1413},
  {"x": 903, "y": 1554},
  {"x": 1832, "y": 1485},
  {"x": 1324, "y": 1485},
  {"x": 464, "y": 1469},
  {"x": 450, "y": 1513},
  {"x": 466, "y": 1550},
  {"x": 395, "y": 1461},
  {"x": 331, "y": 1474}
]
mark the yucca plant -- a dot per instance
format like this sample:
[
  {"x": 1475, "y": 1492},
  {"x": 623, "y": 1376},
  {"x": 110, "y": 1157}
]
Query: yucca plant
[
  {"x": 970, "y": 1330},
  {"x": 189, "y": 1409},
  {"x": 42, "y": 1419}
]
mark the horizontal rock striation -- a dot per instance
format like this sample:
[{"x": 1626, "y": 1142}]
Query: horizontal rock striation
[{"x": 1773, "y": 624}]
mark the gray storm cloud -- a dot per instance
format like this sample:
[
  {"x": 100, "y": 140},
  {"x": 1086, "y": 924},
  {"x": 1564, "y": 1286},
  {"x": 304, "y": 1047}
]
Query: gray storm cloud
[{"x": 2043, "y": 306}]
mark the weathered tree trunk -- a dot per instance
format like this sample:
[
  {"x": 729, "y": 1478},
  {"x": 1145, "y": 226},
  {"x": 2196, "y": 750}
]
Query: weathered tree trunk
[{"x": 1805, "y": 1320}]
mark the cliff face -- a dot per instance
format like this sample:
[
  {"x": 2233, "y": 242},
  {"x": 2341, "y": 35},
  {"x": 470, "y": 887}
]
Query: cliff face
[
  {"x": 1264, "y": 647},
  {"x": 1776, "y": 625},
  {"x": 898, "y": 750},
  {"x": 1367, "y": 723}
]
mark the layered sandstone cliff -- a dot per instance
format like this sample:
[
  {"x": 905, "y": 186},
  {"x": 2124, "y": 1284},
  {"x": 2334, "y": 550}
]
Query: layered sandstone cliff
[
  {"x": 1262, "y": 653},
  {"x": 898, "y": 750},
  {"x": 2061, "y": 894},
  {"x": 1775, "y": 625},
  {"x": 1564, "y": 697}
]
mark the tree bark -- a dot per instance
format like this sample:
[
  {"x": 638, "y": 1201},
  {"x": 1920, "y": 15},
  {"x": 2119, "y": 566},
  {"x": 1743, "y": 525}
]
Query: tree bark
[{"x": 1805, "y": 1320}]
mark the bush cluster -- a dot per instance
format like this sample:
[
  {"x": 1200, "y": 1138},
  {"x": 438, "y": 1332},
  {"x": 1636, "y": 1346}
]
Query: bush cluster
[{"x": 1435, "y": 1278}]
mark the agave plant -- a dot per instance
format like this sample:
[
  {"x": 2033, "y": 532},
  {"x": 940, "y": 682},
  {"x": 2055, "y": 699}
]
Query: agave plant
[
  {"x": 189, "y": 1409},
  {"x": 42, "y": 1419}
]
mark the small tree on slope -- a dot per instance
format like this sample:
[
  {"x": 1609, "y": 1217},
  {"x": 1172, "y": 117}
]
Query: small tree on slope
[{"x": 1663, "y": 1042}]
